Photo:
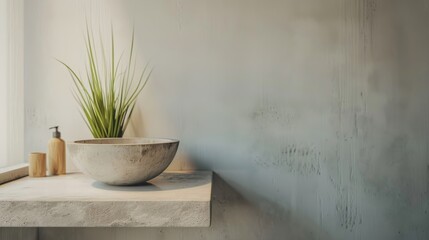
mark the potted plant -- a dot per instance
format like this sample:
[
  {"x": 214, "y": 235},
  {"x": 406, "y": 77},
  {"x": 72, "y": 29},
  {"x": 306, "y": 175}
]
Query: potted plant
[{"x": 107, "y": 95}]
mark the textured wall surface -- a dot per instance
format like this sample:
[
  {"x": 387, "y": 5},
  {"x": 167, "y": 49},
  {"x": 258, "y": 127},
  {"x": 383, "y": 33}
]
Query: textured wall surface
[{"x": 314, "y": 114}]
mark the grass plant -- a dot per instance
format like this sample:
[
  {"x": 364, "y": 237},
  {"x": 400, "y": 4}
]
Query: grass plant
[{"x": 108, "y": 92}]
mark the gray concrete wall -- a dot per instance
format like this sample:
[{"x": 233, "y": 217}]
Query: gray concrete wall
[{"x": 314, "y": 114}]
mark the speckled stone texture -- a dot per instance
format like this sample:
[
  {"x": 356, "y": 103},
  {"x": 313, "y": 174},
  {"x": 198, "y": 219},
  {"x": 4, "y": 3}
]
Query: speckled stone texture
[
  {"x": 173, "y": 199},
  {"x": 122, "y": 161}
]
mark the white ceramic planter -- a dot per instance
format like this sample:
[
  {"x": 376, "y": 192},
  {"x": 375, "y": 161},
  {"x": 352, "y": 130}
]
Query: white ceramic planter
[{"x": 122, "y": 161}]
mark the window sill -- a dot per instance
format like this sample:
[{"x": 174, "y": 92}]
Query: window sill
[{"x": 14, "y": 172}]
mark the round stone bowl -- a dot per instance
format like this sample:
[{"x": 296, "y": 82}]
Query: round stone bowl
[{"x": 122, "y": 161}]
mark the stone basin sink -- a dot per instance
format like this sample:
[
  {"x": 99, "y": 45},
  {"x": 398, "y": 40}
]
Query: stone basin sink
[{"x": 122, "y": 161}]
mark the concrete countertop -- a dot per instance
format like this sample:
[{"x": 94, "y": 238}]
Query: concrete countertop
[{"x": 173, "y": 199}]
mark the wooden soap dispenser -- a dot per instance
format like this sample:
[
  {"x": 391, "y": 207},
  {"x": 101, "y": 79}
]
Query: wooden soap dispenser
[{"x": 56, "y": 154}]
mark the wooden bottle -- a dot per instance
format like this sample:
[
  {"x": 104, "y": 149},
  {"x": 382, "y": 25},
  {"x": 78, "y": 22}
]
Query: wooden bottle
[{"x": 56, "y": 154}]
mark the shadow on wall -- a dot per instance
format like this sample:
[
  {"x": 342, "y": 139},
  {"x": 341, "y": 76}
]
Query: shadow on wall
[
  {"x": 233, "y": 217},
  {"x": 238, "y": 218}
]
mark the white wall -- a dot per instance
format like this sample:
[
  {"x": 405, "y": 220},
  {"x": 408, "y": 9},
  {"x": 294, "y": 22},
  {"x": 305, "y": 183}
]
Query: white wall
[
  {"x": 3, "y": 80},
  {"x": 11, "y": 83},
  {"x": 312, "y": 113}
]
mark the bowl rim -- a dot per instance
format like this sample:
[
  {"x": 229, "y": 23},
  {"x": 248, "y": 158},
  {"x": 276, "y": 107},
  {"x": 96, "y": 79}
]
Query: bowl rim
[{"x": 160, "y": 141}]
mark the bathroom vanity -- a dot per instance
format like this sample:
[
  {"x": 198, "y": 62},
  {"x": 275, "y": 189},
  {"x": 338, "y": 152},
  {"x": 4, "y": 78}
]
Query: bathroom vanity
[{"x": 173, "y": 199}]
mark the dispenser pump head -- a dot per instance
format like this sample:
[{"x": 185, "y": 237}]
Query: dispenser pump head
[{"x": 56, "y": 134}]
